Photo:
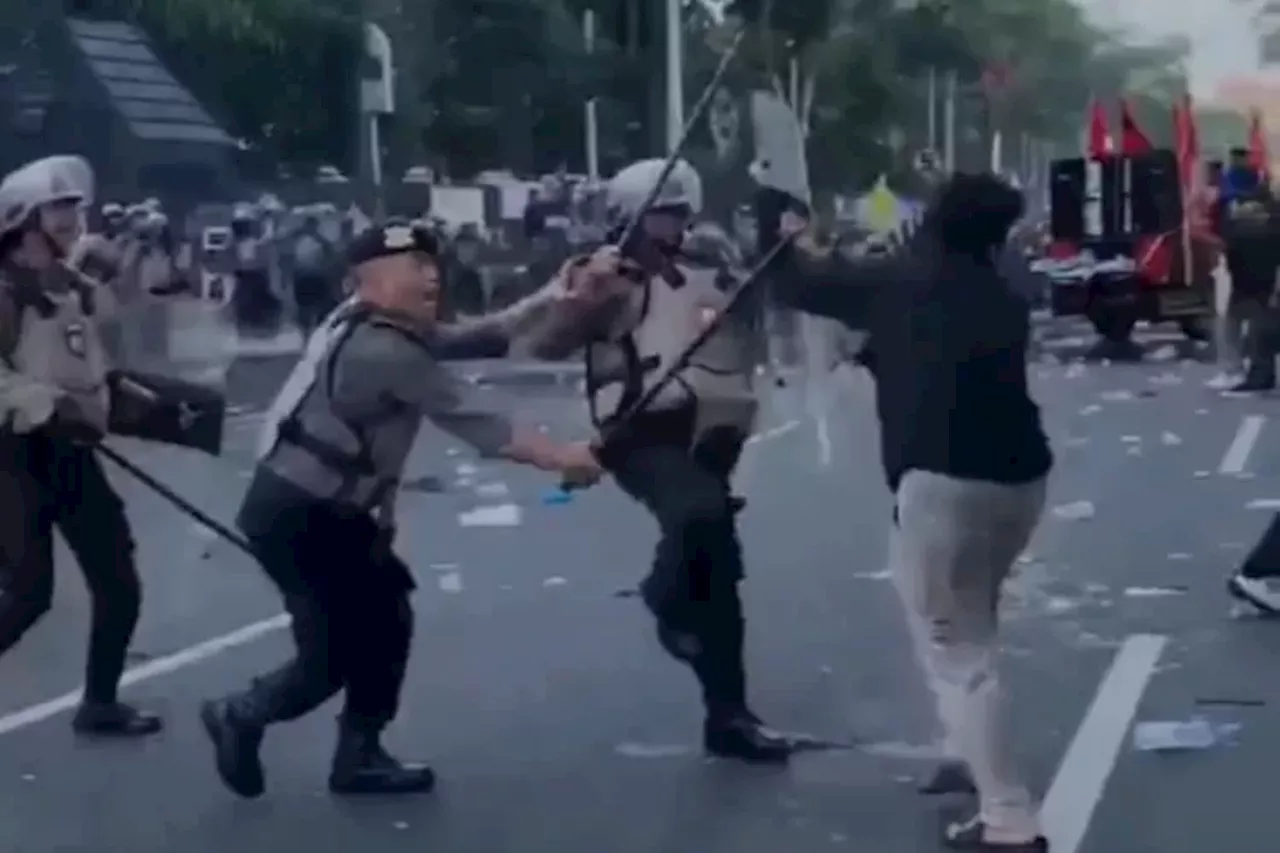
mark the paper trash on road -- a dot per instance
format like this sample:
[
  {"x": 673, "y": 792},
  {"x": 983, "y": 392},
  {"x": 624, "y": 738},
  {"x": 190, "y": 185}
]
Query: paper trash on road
[
  {"x": 502, "y": 515},
  {"x": 1075, "y": 511}
]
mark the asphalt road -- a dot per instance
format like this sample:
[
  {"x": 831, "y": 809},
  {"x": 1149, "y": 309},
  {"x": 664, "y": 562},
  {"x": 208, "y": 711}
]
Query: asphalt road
[{"x": 556, "y": 725}]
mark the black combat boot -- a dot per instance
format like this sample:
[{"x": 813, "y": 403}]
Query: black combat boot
[
  {"x": 237, "y": 743},
  {"x": 740, "y": 734},
  {"x": 362, "y": 766},
  {"x": 114, "y": 719}
]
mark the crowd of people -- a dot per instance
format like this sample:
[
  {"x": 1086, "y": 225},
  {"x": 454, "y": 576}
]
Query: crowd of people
[{"x": 942, "y": 325}]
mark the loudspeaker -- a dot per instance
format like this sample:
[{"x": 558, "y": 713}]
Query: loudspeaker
[{"x": 1155, "y": 193}]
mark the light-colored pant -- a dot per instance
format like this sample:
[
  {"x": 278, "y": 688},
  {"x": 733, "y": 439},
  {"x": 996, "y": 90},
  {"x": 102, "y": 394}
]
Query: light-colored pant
[{"x": 950, "y": 553}]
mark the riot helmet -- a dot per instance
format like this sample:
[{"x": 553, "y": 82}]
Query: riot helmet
[
  {"x": 48, "y": 198},
  {"x": 677, "y": 202}
]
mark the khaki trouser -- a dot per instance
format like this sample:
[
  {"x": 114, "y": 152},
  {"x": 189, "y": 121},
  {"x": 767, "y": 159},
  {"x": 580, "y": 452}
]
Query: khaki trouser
[{"x": 950, "y": 552}]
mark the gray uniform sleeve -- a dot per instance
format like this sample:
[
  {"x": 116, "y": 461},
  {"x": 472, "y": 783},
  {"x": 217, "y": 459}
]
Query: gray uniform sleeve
[
  {"x": 382, "y": 373},
  {"x": 25, "y": 403}
]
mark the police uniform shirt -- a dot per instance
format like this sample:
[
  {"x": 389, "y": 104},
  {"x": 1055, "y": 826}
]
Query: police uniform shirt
[
  {"x": 378, "y": 388},
  {"x": 363, "y": 397}
]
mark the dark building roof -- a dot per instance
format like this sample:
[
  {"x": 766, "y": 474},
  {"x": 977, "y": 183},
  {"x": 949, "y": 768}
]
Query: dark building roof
[{"x": 154, "y": 105}]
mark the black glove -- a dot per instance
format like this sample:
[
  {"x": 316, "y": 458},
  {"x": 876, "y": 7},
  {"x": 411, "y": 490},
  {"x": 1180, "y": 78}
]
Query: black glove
[{"x": 69, "y": 424}]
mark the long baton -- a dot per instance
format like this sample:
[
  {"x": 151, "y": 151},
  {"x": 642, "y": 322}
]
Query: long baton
[{"x": 178, "y": 501}]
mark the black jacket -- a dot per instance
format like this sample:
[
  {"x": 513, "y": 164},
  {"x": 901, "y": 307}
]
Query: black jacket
[{"x": 947, "y": 346}]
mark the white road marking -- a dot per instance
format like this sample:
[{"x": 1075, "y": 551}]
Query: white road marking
[
  {"x": 1237, "y": 455},
  {"x": 1086, "y": 766},
  {"x": 151, "y": 669}
]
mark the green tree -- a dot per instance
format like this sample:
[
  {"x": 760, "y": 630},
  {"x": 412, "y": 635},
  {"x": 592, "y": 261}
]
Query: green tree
[{"x": 280, "y": 73}]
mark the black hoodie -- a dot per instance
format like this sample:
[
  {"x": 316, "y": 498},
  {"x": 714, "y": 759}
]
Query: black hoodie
[{"x": 947, "y": 346}]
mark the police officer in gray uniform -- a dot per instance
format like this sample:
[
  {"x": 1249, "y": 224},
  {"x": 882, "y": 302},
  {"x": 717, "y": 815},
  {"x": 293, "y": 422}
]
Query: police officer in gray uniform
[
  {"x": 633, "y": 312},
  {"x": 55, "y": 402},
  {"x": 319, "y": 511}
]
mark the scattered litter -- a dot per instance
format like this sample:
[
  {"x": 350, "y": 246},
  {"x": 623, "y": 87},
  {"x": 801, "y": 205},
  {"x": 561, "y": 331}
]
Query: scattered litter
[
  {"x": 902, "y": 750},
  {"x": 554, "y": 581},
  {"x": 1131, "y": 439},
  {"x": 443, "y": 567},
  {"x": 557, "y": 497},
  {"x": 502, "y": 515},
  {"x": 1168, "y": 352},
  {"x": 1091, "y": 409},
  {"x": 450, "y": 582},
  {"x": 1057, "y": 605},
  {"x": 427, "y": 483},
  {"x": 28, "y": 777},
  {"x": 1075, "y": 371},
  {"x": 1170, "y": 439},
  {"x": 493, "y": 490},
  {"x": 1264, "y": 503},
  {"x": 1179, "y": 555},
  {"x": 451, "y": 451},
  {"x": 882, "y": 575},
  {"x": 1075, "y": 511},
  {"x": 1165, "y": 379},
  {"x": 838, "y": 838},
  {"x": 465, "y": 469},
  {"x": 464, "y": 482},
  {"x": 1202, "y": 411},
  {"x": 1246, "y": 475},
  {"x": 1135, "y": 450},
  {"x": 1026, "y": 559},
  {"x": 1202, "y": 475},
  {"x": 1229, "y": 702},
  {"x": 1183, "y": 736},
  {"x": 653, "y": 750},
  {"x": 400, "y": 825},
  {"x": 1153, "y": 591},
  {"x": 1120, "y": 396}
]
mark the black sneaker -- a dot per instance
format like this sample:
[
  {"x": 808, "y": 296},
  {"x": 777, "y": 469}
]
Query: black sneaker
[
  {"x": 1257, "y": 592},
  {"x": 236, "y": 749},
  {"x": 114, "y": 720}
]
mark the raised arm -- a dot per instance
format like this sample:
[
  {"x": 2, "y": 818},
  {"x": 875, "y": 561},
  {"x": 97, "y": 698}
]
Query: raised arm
[
  {"x": 826, "y": 284},
  {"x": 586, "y": 297}
]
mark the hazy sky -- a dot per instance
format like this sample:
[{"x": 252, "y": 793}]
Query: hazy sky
[{"x": 1219, "y": 30}]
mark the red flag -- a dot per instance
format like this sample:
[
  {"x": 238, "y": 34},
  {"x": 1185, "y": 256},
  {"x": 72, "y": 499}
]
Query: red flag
[
  {"x": 1259, "y": 156},
  {"x": 1099, "y": 138},
  {"x": 1132, "y": 139}
]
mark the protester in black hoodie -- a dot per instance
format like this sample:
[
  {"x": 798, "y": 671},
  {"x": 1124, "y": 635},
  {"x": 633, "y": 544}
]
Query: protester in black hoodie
[{"x": 965, "y": 456}]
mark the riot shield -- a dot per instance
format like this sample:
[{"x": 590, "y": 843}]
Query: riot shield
[{"x": 171, "y": 365}]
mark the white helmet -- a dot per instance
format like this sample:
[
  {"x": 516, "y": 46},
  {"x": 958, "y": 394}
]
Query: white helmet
[
  {"x": 42, "y": 182},
  {"x": 630, "y": 188}
]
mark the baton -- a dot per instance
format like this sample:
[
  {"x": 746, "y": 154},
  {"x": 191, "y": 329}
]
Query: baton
[
  {"x": 178, "y": 501},
  {"x": 645, "y": 400}
]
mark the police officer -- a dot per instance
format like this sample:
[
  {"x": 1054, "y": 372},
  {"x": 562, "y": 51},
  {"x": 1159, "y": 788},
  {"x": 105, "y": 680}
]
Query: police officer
[
  {"x": 319, "y": 511},
  {"x": 632, "y": 314},
  {"x": 54, "y": 403}
]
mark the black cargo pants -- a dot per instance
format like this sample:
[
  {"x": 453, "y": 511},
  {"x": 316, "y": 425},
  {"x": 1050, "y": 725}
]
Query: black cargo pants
[
  {"x": 692, "y": 588},
  {"x": 352, "y": 621},
  {"x": 48, "y": 483}
]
